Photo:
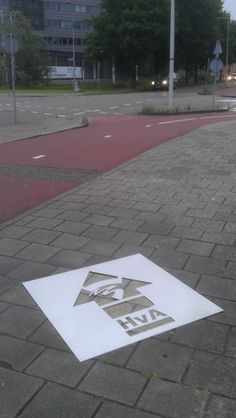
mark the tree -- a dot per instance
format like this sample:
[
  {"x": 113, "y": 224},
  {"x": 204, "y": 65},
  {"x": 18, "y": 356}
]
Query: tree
[
  {"x": 197, "y": 29},
  {"x": 128, "y": 31},
  {"x": 31, "y": 60}
]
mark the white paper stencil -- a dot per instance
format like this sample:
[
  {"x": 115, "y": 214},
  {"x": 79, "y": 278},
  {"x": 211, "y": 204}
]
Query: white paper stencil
[{"x": 103, "y": 307}]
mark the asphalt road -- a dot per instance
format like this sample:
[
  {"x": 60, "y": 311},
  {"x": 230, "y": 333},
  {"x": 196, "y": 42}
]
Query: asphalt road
[{"x": 34, "y": 170}]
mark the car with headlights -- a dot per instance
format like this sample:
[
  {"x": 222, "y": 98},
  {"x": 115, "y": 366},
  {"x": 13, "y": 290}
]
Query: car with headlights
[
  {"x": 161, "y": 83},
  {"x": 231, "y": 77}
]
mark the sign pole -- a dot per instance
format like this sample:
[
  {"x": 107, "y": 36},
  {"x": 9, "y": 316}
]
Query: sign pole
[{"x": 13, "y": 78}]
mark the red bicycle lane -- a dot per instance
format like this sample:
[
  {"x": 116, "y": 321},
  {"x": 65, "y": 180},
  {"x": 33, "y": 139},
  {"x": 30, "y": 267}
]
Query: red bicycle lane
[{"x": 103, "y": 145}]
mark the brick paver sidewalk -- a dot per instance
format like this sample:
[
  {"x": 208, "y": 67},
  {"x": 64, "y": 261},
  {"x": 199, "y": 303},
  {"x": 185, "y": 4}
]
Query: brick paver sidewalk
[{"x": 176, "y": 204}]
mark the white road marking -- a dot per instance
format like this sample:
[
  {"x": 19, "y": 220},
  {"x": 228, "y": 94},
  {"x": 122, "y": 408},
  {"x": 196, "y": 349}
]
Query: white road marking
[
  {"x": 114, "y": 107},
  {"x": 117, "y": 113},
  {"x": 38, "y": 156},
  {"x": 47, "y": 114},
  {"x": 215, "y": 116},
  {"x": 107, "y": 136},
  {"x": 103, "y": 113},
  {"x": 148, "y": 126},
  {"x": 127, "y": 104},
  {"x": 80, "y": 113},
  {"x": 34, "y": 111},
  {"x": 61, "y": 116},
  {"x": 176, "y": 121}
]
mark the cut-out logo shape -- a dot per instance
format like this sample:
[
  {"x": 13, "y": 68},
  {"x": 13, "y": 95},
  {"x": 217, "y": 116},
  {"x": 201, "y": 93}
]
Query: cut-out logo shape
[{"x": 121, "y": 299}]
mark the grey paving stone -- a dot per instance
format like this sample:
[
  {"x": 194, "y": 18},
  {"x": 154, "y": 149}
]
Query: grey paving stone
[
  {"x": 156, "y": 228},
  {"x": 231, "y": 344},
  {"x": 146, "y": 206},
  {"x": 5, "y": 284},
  {"x": 98, "y": 209},
  {"x": 48, "y": 212},
  {"x": 117, "y": 357},
  {"x": 114, "y": 410},
  {"x": 230, "y": 270},
  {"x": 24, "y": 220},
  {"x": 16, "y": 391},
  {"x": 186, "y": 232},
  {"x": 69, "y": 259},
  {"x": 17, "y": 354},
  {"x": 59, "y": 367},
  {"x": 227, "y": 317},
  {"x": 38, "y": 252},
  {"x": 216, "y": 286},
  {"x": 9, "y": 246},
  {"x": 113, "y": 383},
  {"x": 169, "y": 258},
  {"x": 101, "y": 247},
  {"x": 160, "y": 358},
  {"x": 208, "y": 225},
  {"x": 190, "y": 279},
  {"x": 14, "y": 231},
  {"x": 70, "y": 241},
  {"x": 127, "y": 223},
  {"x": 18, "y": 295},
  {"x": 195, "y": 247},
  {"x": 55, "y": 401},
  {"x": 3, "y": 306},
  {"x": 130, "y": 237},
  {"x": 205, "y": 265},
  {"x": 123, "y": 212},
  {"x": 230, "y": 227},
  {"x": 214, "y": 373},
  {"x": 161, "y": 241},
  {"x": 201, "y": 213},
  {"x": 8, "y": 264},
  {"x": 43, "y": 223},
  {"x": 98, "y": 232},
  {"x": 18, "y": 321},
  {"x": 101, "y": 220},
  {"x": 41, "y": 236},
  {"x": 97, "y": 259},
  {"x": 224, "y": 238},
  {"x": 173, "y": 400},
  {"x": 29, "y": 270},
  {"x": 121, "y": 203},
  {"x": 47, "y": 335},
  {"x": 128, "y": 249},
  {"x": 72, "y": 215},
  {"x": 150, "y": 217},
  {"x": 203, "y": 335},
  {"x": 225, "y": 252},
  {"x": 72, "y": 227},
  {"x": 220, "y": 407}
]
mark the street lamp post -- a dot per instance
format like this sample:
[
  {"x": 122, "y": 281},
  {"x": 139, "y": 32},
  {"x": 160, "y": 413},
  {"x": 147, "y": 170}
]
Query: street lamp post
[
  {"x": 73, "y": 44},
  {"x": 172, "y": 53}
]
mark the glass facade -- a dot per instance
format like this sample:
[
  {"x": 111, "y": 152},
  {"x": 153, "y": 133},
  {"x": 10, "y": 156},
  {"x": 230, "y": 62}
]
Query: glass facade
[{"x": 63, "y": 24}]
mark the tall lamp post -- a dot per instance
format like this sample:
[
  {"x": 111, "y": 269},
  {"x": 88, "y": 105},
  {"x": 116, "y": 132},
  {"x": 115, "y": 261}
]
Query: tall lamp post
[
  {"x": 73, "y": 44},
  {"x": 172, "y": 52}
]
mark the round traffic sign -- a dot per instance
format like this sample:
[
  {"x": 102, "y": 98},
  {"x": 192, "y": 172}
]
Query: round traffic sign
[
  {"x": 10, "y": 44},
  {"x": 216, "y": 65}
]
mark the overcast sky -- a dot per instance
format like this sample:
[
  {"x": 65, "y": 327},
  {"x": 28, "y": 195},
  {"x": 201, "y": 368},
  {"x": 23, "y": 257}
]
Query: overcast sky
[{"x": 230, "y": 6}]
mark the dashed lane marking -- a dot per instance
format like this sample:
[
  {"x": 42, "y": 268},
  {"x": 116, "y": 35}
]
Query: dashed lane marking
[
  {"x": 148, "y": 126},
  {"x": 37, "y": 157},
  {"x": 175, "y": 121},
  {"x": 47, "y": 114},
  {"x": 107, "y": 136},
  {"x": 61, "y": 116}
]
